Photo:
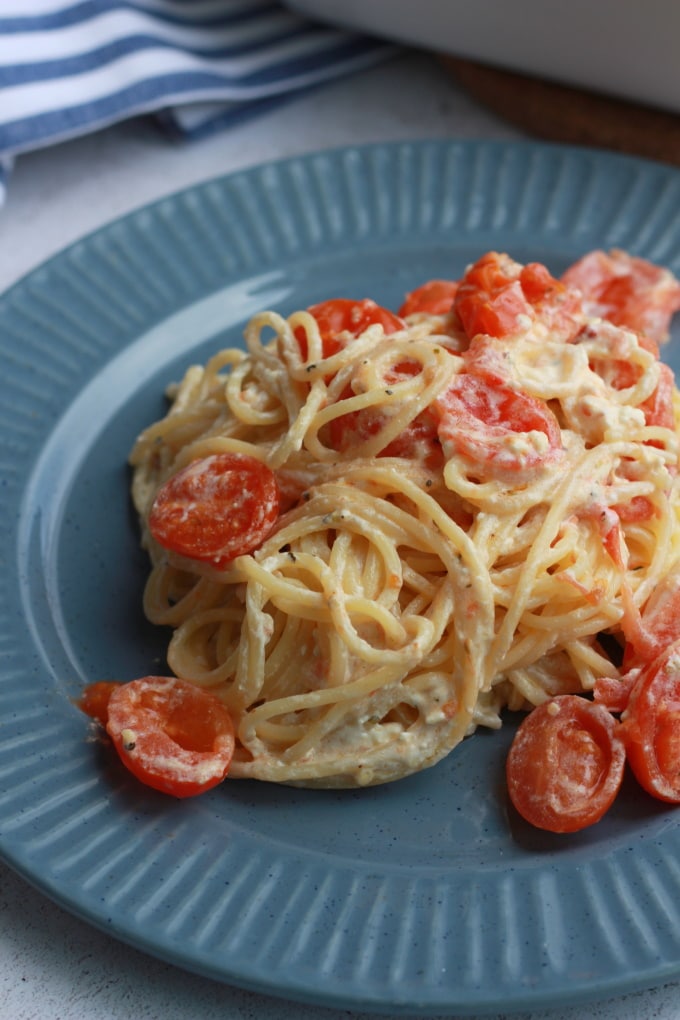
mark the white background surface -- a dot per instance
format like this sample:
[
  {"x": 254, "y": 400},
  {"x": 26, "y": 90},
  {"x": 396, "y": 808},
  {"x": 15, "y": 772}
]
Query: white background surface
[{"x": 54, "y": 966}]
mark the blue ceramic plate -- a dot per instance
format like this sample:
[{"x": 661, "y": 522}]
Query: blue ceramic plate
[{"x": 425, "y": 896}]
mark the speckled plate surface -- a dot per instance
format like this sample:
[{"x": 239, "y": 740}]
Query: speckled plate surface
[{"x": 426, "y": 896}]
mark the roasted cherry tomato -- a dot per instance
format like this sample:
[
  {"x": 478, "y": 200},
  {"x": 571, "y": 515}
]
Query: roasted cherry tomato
[
  {"x": 418, "y": 441},
  {"x": 490, "y": 298},
  {"x": 499, "y": 297},
  {"x": 434, "y": 298},
  {"x": 217, "y": 508},
  {"x": 627, "y": 290},
  {"x": 565, "y": 764},
  {"x": 171, "y": 735},
  {"x": 485, "y": 420},
  {"x": 651, "y": 726},
  {"x": 345, "y": 316},
  {"x": 659, "y": 623}
]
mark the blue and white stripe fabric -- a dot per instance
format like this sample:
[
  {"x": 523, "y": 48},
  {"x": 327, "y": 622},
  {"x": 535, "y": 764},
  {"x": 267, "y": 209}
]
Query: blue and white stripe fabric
[
  {"x": 5, "y": 167},
  {"x": 68, "y": 67}
]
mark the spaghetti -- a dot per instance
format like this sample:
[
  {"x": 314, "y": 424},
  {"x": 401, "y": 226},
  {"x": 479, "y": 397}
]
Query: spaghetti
[{"x": 469, "y": 496}]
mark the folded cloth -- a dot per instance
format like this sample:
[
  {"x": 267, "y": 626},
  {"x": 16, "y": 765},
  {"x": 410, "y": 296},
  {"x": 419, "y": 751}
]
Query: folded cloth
[{"x": 69, "y": 68}]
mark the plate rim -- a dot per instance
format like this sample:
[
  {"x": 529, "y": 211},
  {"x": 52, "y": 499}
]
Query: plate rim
[{"x": 35, "y": 281}]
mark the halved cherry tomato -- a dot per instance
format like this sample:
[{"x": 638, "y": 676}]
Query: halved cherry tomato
[
  {"x": 484, "y": 420},
  {"x": 498, "y": 297},
  {"x": 434, "y": 298},
  {"x": 418, "y": 441},
  {"x": 343, "y": 315},
  {"x": 659, "y": 623},
  {"x": 538, "y": 283},
  {"x": 628, "y": 290},
  {"x": 565, "y": 764},
  {"x": 490, "y": 298},
  {"x": 171, "y": 735},
  {"x": 216, "y": 508},
  {"x": 651, "y": 726}
]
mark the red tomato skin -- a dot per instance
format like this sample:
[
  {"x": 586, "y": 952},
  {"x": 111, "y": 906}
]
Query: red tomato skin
[
  {"x": 418, "y": 441},
  {"x": 659, "y": 623},
  {"x": 171, "y": 735},
  {"x": 339, "y": 316},
  {"x": 658, "y": 408},
  {"x": 639, "y": 508},
  {"x": 216, "y": 508},
  {"x": 495, "y": 314},
  {"x": 650, "y": 726},
  {"x": 627, "y": 290},
  {"x": 499, "y": 297},
  {"x": 565, "y": 764},
  {"x": 432, "y": 298},
  {"x": 537, "y": 282},
  {"x": 476, "y": 416},
  {"x": 94, "y": 700},
  {"x": 613, "y": 693}
]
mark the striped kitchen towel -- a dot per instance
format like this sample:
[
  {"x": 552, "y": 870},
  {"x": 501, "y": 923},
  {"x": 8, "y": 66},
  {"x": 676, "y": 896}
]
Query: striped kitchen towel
[{"x": 68, "y": 67}]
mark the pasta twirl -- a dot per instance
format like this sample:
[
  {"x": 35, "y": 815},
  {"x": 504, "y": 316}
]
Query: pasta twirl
[{"x": 470, "y": 499}]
